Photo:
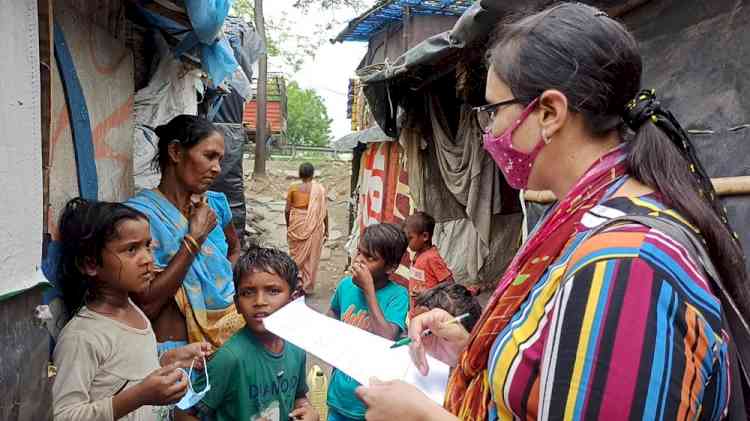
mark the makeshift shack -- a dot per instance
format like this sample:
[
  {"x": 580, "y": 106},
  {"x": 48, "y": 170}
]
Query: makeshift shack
[
  {"x": 695, "y": 56},
  {"x": 441, "y": 170},
  {"x": 78, "y": 104}
]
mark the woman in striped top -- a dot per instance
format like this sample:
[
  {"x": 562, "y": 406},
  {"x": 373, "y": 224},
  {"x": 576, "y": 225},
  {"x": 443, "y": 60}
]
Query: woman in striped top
[{"x": 617, "y": 325}]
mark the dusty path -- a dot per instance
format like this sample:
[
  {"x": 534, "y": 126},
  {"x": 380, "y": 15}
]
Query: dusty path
[{"x": 265, "y": 203}]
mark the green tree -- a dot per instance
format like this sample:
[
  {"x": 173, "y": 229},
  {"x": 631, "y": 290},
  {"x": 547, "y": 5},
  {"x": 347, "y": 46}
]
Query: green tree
[
  {"x": 285, "y": 42},
  {"x": 307, "y": 120}
]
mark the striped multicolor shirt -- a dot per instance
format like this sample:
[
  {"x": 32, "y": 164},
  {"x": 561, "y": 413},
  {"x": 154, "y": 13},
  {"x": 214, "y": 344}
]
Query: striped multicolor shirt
[{"x": 622, "y": 326}]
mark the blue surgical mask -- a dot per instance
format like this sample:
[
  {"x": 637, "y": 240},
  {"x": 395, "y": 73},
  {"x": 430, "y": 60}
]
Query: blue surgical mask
[{"x": 192, "y": 397}]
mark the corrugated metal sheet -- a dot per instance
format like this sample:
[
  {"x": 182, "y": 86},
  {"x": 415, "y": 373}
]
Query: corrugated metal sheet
[
  {"x": 389, "y": 44},
  {"x": 274, "y": 115},
  {"x": 386, "y": 12}
]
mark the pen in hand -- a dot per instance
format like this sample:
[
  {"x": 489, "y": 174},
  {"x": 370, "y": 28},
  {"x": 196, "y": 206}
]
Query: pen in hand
[{"x": 427, "y": 332}]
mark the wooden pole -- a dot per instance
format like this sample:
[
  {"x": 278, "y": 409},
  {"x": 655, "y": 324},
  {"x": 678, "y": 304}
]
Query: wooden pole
[
  {"x": 724, "y": 186},
  {"x": 261, "y": 96},
  {"x": 45, "y": 73},
  {"x": 406, "y": 28}
]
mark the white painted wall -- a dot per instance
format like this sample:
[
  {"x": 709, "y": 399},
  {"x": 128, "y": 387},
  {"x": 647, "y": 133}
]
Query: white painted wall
[{"x": 20, "y": 147}]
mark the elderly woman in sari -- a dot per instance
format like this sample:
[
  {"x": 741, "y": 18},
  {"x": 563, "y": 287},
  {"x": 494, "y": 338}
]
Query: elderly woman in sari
[
  {"x": 307, "y": 224},
  {"x": 194, "y": 242}
]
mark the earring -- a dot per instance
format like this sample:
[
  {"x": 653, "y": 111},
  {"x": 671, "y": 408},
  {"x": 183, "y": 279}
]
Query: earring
[{"x": 546, "y": 139}]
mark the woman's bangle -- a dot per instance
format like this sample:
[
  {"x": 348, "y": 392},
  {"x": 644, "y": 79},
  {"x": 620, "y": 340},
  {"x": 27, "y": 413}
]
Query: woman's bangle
[
  {"x": 188, "y": 247},
  {"x": 193, "y": 242}
]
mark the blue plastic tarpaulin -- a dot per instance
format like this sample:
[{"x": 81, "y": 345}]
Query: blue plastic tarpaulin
[{"x": 207, "y": 18}]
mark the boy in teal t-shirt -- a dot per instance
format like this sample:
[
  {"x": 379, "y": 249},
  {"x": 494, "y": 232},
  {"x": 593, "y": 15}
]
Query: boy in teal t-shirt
[
  {"x": 256, "y": 375},
  {"x": 368, "y": 300}
]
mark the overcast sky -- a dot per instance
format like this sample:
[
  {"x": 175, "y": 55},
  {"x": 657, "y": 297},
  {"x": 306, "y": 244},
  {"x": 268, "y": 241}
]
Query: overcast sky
[{"x": 334, "y": 64}]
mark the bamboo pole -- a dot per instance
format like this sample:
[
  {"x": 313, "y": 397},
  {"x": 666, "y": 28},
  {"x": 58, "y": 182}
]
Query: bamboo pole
[
  {"x": 730, "y": 186},
  {"x": 724, "y": 186}
]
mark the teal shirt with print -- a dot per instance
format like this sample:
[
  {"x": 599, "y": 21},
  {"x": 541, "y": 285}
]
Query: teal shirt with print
[
  {"x": 349, "y": 305},
  {"x": 249, "y": 382}
]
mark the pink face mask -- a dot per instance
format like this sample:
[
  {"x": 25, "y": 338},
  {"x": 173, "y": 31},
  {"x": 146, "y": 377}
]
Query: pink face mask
[{"x": 515, "y": 165}]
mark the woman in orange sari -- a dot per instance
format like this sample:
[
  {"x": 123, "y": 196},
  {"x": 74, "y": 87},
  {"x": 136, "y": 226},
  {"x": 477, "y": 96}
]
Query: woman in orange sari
[{"x": 307, "y": 224}]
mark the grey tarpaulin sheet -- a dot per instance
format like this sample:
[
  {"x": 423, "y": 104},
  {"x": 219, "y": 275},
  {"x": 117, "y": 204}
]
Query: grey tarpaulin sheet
[
  {"x": 452, "y": 179},
  {"x": 231, "y": 110},
  {"x": 369, "y": 135},
  {"x": 388, "y": 84},
  {"x": 171, "y": 91},
  {"x": 245, "y": 42},
  {"x": 231, "y": 181},
  {"x": 247, "y": 47},
  {"x": 467, "y": 170},
  {"x": 412, "y": 143},
  {"x": 468, "y": 257},
  {"x": 438, "y": 200}
]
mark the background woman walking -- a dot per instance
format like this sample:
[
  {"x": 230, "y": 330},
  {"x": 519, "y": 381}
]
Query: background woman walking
[{"x": 307, "y": 224}]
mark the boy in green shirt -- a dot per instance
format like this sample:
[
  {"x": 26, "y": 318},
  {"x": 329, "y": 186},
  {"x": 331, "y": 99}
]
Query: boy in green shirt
[
  {"x": 368, "y": 300},
  {"x": 256, "y": 375}
]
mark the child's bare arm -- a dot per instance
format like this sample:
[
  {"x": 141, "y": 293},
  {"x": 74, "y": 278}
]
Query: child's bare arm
[
  {"x": 378, "y": 324},
  {"x": 185, "y": 416},
  {"x": 303, "y": 410},
  {"x": 164, "y": 386}
]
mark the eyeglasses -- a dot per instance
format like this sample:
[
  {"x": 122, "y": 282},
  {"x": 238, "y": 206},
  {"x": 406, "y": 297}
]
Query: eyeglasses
[{"x": 486, "y": 113}]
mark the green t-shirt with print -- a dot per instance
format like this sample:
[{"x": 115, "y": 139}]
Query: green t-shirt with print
[
  {"x": 349, "y": 305},
  {"x": 249, "y": 382}
]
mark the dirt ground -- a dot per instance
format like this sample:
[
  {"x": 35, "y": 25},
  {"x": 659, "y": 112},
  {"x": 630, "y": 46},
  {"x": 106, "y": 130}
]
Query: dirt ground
[{"x": 265, "y": 211}]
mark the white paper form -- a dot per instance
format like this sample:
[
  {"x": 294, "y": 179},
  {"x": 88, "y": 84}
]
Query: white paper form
[{"x": 358, "y": 353}]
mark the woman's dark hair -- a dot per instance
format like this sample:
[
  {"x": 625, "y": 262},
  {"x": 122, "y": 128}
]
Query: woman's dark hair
[
  {"x": 306, "y": 171},
  {"x": 261, "y": 259},
  {"x": 594, "y": 61},
  {"x": 387, "y": 241},
  {"x": 85, "y": 228},
  {"x": 454, "y": 298},
  {"x": 187, "y": 130}
]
